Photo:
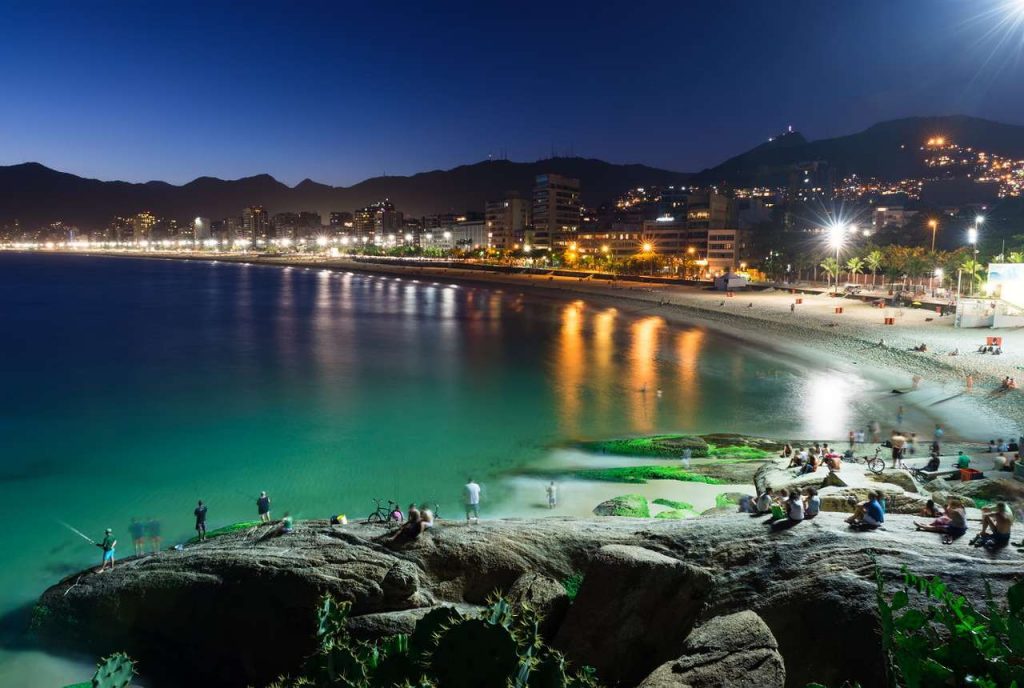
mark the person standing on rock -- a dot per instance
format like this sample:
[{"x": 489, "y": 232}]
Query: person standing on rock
[
  {"x": 472, "y": 492},
  {"x": 200, "y": 512},
  {"x": 153, "y": 531},
  {"x": 263, "y": 507},
  {"x": 137, "y": 529},
  {"x": 107, "y": 545},
  {"x": 552, "y": 491},
  {"x": 898, "y": 442}
]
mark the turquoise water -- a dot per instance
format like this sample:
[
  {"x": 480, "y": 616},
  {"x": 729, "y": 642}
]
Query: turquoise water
[{"x": 134, "y": 387}]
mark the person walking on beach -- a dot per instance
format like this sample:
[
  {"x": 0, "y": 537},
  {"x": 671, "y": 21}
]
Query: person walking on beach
[
  {"x": 153, "y": 531},
  {"x": 200, "y": 512},
  {"x": 687, "y": 455},
  {"x": 472, "y": 492},
  {"x": 137, "y": 529},
  {"x": 107, "y": 545},
  {"x": 263, "y": 507},
  {"x": 552, "y": 491}
]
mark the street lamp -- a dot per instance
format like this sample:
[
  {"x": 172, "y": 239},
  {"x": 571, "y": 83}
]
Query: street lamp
[
  {"x": 649, "y": 249},
  {"x": 836, "y": 238},
  {"x": 972, "y": 239},
  {"x": 934, "y": 224}
]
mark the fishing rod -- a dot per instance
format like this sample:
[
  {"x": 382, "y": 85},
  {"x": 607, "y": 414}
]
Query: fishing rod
[{"x": 77, "y": 532}]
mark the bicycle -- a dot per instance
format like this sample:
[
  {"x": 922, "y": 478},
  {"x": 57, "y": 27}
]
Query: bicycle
[
  {"x": 381, "y": 514},
  {"x": 875, "y": 464}
]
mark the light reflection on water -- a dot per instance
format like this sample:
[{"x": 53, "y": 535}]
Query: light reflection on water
[{"x": 194, "y": 380}]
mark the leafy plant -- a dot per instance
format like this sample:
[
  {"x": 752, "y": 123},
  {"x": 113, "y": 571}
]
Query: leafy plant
[
  {"x": 116, "y": 671},
  {"x": 673, "y": 504},
  {"x": 946, "y": 641},
  {"x": 501, "y": 646},
  {"x": 641, "y": 474}
]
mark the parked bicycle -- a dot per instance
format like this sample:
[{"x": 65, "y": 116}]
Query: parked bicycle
[
  {"x": 875, "y": 464},
  {"x": 381, "y": 514}
]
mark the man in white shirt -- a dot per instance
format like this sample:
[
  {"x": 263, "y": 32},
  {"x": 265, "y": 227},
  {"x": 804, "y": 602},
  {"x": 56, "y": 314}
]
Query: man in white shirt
[
  {"x": 472, "y": 492},
  {"x": 552, "y": 491}
]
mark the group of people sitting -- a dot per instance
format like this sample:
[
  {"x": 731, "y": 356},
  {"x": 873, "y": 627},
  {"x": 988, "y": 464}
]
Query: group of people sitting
[
  {"x": 793, "y": 506},
  {"x": 951, "y": 522},
  {"x": 418, "y": 521},
  {"x": 810, "y": 459},
  {"x": 990, "y": 349},
  {"x": 1008, "y": 383}
]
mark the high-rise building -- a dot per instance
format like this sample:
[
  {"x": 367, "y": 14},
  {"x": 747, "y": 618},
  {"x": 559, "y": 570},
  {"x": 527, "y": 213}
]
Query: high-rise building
[
  {"x": 556, "y": 212},
  {"x": 377, "y": 222},
  {"x": 256, "y": 223},
  {"x": 506, "y": 221},
  {"x": 142, "y": 226},
  {"x": 341, "y": 222}
]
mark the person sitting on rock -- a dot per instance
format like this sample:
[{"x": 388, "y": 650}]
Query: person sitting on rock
[
  {"x": 787, "y": 451},
  {"x": 869, "y": 513},
  {"x": 796, "y": 460},
  {"x": 1001, "y": 463},
  {"x": 991, "y": 446},
  {"x": 812, "y": 502},
  {"x": 811, "y": 466},
  {"x": 834, "y": 461},
  {"x": 931, "y": 509},
  {"x": 410, "y": 530},
  {"x": 996, "y": 522},
  {"x": 794, "y": 507},
  {"x": 933, "y": 462},
  {"x": 952, "y": 524},
  {"x": 763, "y": 505},
  {"x": 962, "y": 460}
]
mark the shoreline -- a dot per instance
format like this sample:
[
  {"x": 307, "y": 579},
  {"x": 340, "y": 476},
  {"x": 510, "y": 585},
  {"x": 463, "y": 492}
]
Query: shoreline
[{"x": 767, "y": 320}]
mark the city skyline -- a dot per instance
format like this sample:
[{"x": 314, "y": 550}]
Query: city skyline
[{"x": 340, "y": 95}]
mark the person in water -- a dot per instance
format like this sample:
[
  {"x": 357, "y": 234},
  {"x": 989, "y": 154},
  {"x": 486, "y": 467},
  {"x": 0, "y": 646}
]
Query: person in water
[
  {"x": 108, "y": 544},
  {"x": 200, "y": 513},
  {"x": 137, "y": 529},
  {"x": 263, "y": 507}
]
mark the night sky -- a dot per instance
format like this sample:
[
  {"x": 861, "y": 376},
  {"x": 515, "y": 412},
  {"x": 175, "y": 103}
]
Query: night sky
[{"x": 343, "y": 91}]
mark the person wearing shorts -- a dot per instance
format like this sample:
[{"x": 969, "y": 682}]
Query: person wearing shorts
[
  {"x": 472, "y": 492},
  {"x": 107, "y": 545},
  {"x": 200, "y": 513}
]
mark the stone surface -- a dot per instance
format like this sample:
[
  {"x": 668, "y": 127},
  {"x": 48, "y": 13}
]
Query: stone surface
[
  {"x": 236, "y": 612},
  {"x": 732, "y": 651},
  {"x": 633, "y": 505},
  {"x": 634, "y": 611},
  {"x": 543, "y": 594}
]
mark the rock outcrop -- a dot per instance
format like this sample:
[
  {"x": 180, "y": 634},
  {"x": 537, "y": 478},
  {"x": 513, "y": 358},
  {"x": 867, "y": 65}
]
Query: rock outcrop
[
  {"x": 634, "y": 610},
  {"x": 236, "y": 611},
  {"x": 631, "y": 505},
  {"x": 731, "y": 651}
]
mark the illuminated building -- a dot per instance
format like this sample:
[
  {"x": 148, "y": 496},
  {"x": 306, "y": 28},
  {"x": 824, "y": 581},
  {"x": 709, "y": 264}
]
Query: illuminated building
[
  {"x": 142, "y": 226},
  {"x": 255, "y": 223},
  {"x": 556, "y": 212},
  {"x": 506, "y": 221}
]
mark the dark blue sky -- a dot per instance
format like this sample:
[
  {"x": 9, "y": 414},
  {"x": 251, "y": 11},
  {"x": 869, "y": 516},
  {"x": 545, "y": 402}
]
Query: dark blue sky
[{"x": 342, "y": 91}]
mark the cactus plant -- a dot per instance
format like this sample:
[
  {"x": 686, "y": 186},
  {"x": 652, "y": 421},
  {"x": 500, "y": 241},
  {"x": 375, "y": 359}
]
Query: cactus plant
[
  {"x": 116, "y": 671},
  {"x": 475, "y": 653},
  {"x": 424, "y": 638}
]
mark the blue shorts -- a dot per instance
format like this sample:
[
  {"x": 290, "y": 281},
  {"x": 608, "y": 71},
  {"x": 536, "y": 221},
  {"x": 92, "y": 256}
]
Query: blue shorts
[{"x": 108, "y": 555}]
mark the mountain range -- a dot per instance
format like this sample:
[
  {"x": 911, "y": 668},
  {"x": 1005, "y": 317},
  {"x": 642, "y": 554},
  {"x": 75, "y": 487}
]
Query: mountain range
[{"x": 34, "y": 194}]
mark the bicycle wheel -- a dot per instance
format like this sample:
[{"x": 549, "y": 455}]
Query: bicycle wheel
[
  {"x": 375, "y": 517},
  {"x": 876, "y": 465}
]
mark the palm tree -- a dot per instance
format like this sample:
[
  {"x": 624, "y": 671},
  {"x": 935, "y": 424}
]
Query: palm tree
[
  {"x": 830, "y": 266},
  {"x": 972, "y": 269},
  {"x": 873, "y": 262},
  {"x": 855, "y": 266},
  {"x": 1016, "y": 257}
]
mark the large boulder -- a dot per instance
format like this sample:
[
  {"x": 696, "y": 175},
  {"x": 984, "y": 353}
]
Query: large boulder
[
  {"x": 899, "y": 478},
  {"x": 896, "y": 501},
  {"x": 732, "y": 651},
  {"x": 631, "y": 505},
  {"x": 545, "y": 595},
  {"x": 993, "y": 489},
  {"x": 633, "y": 612}
]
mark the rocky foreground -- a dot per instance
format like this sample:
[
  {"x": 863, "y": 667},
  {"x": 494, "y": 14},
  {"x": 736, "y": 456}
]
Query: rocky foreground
[{"x": 720, "y": 600}]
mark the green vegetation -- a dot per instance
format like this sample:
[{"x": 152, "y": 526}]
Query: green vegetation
[
  {"x": 660, "y": 446},
  {"x": 502, "y": 646},
  {"x": 725, "y": 501},
  {"x": 942, "y": 640},
  {"x": 572, "y": 585},
  {"x": 673, "y": 504},
  {"x": 630, "y": 506},
  {"x": 641, "y": 474},
  {"x": 674, "y": 515},
  {"x": 739, "y": 451},
  {"x": 233, "y": 528},
  {"x": 116, "y": 671}
]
